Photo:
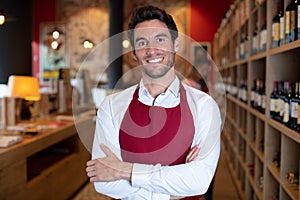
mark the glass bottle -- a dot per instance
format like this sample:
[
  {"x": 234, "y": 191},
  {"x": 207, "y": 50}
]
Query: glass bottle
[
  {"x": 255, "y": 43},
  {"x": 286, "y": 99},
  {"x": 263, "y": 36},
  {"x": 280, "y": 101},
  {"x": 276, "y": 26},
  {"x": 252, "y": 94},
  {"x": 281, "y": 28},
  {"x": 294, "y": 106},
  {"x": 274, "y": 111},
  {"x": 293, "y": 22},
  {"x": 288, "y": 11}
]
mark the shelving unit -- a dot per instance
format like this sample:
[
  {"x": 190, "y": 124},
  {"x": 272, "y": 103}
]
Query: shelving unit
[
  {"x": 50, "y": 165},
  {"x": 260, "y": 151}
]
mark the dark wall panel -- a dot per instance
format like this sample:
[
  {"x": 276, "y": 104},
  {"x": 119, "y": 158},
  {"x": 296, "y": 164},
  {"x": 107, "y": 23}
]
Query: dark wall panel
[{"x": 15, "y": 39}]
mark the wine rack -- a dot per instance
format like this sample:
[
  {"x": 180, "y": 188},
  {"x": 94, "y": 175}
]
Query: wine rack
[{"x": 261, "y": 151}]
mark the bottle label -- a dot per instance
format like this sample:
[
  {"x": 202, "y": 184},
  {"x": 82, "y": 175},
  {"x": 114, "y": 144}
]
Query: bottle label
[
  {"x": 272, "y": 104},
  {"x": 259, "y": 100},
  {"x": 287, "y": 22},
  {"x": 255, "y": 45},
  {"x": 242, "y": 50},
  {"x": 293, "y": 20},
  {"x": 234, "y": 90},
  {"x": 263, "y": 39},
  {"x": 280, "y": 106},
  {"x": 294, "y": 109},
  {"x": 286, "y": 112},
  {"x": 293, "y": 26},
  {"x": 276, "y": 105},
  {"x": 298, "y": 119},
  {"x": 276, "y": 31},
  {"x": 252, "y": 97},
  {"x": 298, "y": 20},
  {"x": 263, "y": 101},
  {"x": 281, "y": 28},
  {"x": 244, "y": 95}
]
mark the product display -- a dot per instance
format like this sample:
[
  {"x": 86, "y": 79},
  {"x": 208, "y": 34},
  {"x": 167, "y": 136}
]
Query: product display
[{"x": 261, "y": 133}]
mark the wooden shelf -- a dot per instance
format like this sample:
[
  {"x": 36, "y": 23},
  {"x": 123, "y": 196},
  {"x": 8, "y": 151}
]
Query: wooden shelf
[
  {"x": 49, "y": 165},
  {"x": 263, "y": 139}
]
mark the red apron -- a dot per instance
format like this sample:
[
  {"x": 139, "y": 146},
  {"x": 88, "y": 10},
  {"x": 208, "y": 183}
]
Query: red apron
[{"x": 153, "y": 134}]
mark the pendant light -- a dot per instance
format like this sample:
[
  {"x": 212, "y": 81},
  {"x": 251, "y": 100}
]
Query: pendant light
[{"x": 2, "y": 18}]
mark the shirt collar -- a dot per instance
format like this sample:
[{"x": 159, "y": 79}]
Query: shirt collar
[{"x": 173, "y": 88}]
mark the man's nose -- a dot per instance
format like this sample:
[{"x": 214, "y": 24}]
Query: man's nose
[{"x": 150, "y": 50}]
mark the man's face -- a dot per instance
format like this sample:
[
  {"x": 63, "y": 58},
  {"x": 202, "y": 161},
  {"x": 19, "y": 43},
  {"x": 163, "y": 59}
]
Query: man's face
[{"x": 154, "y": 49}]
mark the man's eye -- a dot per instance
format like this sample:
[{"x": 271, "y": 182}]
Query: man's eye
[
  {"x": 141, "y": 44},
  {"x": 161, "y": 40}
]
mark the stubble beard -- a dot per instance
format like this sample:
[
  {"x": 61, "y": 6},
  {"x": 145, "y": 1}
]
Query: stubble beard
[{"x": 154, "y": 73}]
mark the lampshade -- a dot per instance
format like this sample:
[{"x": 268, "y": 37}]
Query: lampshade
[
  {"x": 25, "y": 87},
  {"x": 2, "y": 18}
]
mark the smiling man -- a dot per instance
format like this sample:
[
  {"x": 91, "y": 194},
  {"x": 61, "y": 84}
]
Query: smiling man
[{"x": 159, "y": 139}]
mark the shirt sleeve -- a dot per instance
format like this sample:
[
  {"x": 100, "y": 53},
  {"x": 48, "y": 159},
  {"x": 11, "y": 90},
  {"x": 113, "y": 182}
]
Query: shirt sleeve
[
  {"x": 191, "y": 178},
  {"x": 107, "y": 132}
]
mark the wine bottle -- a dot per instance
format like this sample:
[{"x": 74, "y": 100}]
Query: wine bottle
[
  {"x": 255, "y": 44},
  {"x": 258, "y": 96},
  {"x": 244, "y": 92},
  {"x": 298, "y": 18},
  {"x": 294, "y": 106},
  {"x": 288, "y": 11},
  {"x": 293, "y": 22},
  {"x": 240, "y": 91},
  {"x": 286, "y": 98},
  {"x": 234, "y": 89},
  {"x": 252, "y": 94},
  {"x": 276, "y": 26},
  {"x": 263, "y": 36},
  {"x": 281, "y": 28},
  {"x": 246, "y": 42},
  {"x": 274, "y": 111},
  {"x": 242, "y": 46},
  {"x": 262, "y": 95},
  {"x": 280, "y": 101},
  {"x": 298, "y": 100}
]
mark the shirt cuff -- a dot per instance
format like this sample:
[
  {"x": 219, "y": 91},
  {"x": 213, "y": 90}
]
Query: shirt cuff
[{"x": 141, "y": 173}]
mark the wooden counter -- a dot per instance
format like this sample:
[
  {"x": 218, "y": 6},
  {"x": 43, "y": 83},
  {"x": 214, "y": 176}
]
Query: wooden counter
[{"x": 49, "y": 165}]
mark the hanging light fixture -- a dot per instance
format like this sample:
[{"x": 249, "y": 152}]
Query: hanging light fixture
[
  {"x": 87, "y": 44},
  {"x": 55, "y": 33},
  {"x": 2, "y": 18}
]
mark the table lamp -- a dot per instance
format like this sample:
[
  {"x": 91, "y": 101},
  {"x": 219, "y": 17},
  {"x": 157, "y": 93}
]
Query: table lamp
[{"x": 26, "y": 88}]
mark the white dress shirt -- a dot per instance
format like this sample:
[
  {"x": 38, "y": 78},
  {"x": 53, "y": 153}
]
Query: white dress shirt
[{"x": 159, "y": 182}]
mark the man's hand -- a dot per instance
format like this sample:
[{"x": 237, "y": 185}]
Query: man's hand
[
  {"x": 108, "y": 168},
  {"x": 189, "y": 158},
  {"x": 192, "y": 154}
]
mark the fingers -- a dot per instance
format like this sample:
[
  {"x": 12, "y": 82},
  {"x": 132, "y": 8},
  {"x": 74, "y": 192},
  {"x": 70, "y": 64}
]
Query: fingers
[
  {"x": 90, "y": 163},
  {"x": 192, "y": 154},
  {"x": 106, "y": 150}
]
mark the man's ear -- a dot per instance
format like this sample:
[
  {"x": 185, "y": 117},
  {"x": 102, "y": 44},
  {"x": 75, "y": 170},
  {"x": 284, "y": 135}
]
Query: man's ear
[
  {"x": 134, "y": 56},
  {"x": 176, "y": 44}
]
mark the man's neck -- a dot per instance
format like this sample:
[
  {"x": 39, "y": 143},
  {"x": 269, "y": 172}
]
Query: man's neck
[{"x": 158, "y": 86}]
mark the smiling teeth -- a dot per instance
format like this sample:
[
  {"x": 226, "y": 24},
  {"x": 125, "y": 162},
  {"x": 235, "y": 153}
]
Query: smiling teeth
[{"x": 155, "y": 60}]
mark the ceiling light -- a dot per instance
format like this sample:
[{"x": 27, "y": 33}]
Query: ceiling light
[
  {"x": 2, "y": 18},
  {"x": 88, "y": 44}
]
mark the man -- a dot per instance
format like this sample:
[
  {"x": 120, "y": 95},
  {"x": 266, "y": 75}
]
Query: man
[{"x": 147, "y": 137}]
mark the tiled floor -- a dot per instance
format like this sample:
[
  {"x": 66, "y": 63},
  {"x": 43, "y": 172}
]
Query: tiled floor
[{"x": 224, "y": 188}]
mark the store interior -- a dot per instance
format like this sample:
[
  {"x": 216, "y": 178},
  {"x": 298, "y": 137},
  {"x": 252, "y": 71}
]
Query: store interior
[{"x": 60, "y": 58}]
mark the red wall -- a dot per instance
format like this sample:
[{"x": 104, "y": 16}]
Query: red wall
[
  {"x": 205, "y": 18},
  {"x": 43, "y": 11}
]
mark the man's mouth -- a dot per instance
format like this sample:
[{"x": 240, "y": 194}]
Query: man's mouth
[{"x": 154, "y": 60}]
